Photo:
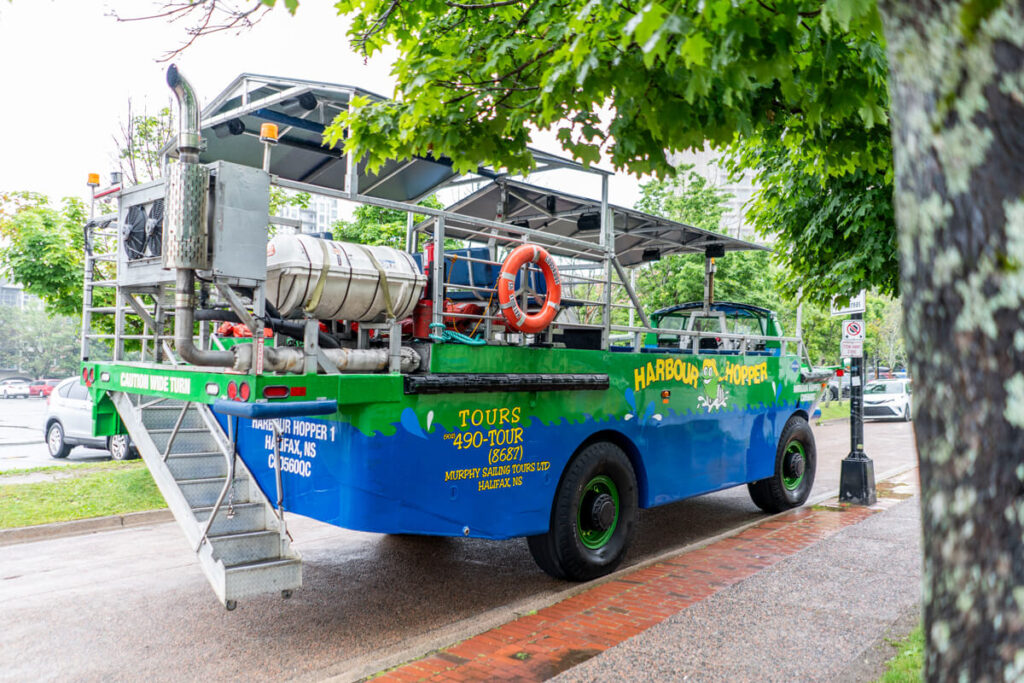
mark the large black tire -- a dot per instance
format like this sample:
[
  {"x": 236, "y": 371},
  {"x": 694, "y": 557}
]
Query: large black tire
[
  {"x": 593, "y": 517},
  {"x": 55, "y": 441},
  {"x": 121, "y": 448},
  {"x": 796, "y": 460}
]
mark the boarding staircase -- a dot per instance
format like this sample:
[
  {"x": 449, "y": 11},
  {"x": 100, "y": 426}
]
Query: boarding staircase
[{"x": 237, "y": 534}]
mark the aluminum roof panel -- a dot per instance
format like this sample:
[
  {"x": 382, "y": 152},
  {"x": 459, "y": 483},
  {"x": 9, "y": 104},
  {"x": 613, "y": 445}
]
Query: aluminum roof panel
[
  {"x": 557, "y": 213},
  {"x": 302, "y": 108}
]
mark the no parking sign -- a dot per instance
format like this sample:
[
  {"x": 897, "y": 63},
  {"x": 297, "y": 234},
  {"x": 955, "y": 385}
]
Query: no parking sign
[{"x": 853, "y": 329}]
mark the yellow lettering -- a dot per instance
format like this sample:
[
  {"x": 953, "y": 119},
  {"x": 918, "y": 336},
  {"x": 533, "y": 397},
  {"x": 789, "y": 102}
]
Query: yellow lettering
[
  {"x": 659, "y": 369},
  {"x": 477, "y": 418},
  {"x": 650, "y": 374},
  {"x": 463, "y": 414},
  {"x": 515, "y": 414},
  {"x": 503, "y": 415},
  {"x": 639, "y": 379}
]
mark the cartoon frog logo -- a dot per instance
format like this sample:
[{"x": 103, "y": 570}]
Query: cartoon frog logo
[{"x": 715, "y": 395}]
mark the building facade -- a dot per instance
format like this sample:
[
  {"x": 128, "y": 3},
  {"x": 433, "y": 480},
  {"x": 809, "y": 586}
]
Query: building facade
[{"x": 706, "y": 163}]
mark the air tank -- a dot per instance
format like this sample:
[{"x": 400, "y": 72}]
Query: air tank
[{"x": 340, "y": 280}]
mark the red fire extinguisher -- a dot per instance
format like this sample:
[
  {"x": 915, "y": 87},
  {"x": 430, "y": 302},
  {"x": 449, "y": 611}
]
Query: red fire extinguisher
[{"x": 422, "y": 316}]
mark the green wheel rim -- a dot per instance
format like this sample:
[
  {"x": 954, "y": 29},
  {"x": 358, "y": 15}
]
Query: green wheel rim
[
  {"x": 591, "y": 537},
  {"x": 793, "y": 483}
]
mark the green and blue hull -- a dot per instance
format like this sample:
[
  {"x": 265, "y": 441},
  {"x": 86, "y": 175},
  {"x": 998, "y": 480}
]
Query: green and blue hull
[{"x": 488, "y": 464}]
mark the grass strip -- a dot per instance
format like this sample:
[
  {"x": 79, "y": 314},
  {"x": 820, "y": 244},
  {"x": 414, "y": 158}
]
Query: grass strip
[
  {"x": 105, "y": 491},
  {"x": 909, "y": 663},
  {"x": 70, "y": 467},
  {"x": 835, "y": 410}
]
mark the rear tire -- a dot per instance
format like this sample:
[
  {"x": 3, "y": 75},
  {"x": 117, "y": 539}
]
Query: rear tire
[
  {"x": 121, "y": 448},
  {"x": 796, "y": 460},
  {"x": 593, "y": 517},
  {"x": 55, "y": 442}
]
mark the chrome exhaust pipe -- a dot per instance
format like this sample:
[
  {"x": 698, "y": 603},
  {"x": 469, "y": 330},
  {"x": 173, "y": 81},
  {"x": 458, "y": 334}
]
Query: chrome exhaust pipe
[
  {"x": 186, "y": 240},
  {"x": 188, "y": 116},
  {"x": 184, "y": 327}
]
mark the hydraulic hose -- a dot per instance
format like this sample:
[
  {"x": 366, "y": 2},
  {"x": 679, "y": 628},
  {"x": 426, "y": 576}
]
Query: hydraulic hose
[{"x": 289, "y": 328}]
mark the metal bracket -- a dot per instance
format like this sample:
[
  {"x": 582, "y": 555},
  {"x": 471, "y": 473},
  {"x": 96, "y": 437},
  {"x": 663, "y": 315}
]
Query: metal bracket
[{"x": 236, "y": 304}]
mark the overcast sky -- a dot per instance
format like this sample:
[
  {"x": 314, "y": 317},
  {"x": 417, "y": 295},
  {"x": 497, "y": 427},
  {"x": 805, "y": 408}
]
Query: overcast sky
[{"x": 67, "y": 69}]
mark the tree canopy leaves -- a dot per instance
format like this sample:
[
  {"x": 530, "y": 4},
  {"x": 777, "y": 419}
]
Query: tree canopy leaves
[
  {"x": 631, "y": 81},
  {"x": 45, "y": 246}
]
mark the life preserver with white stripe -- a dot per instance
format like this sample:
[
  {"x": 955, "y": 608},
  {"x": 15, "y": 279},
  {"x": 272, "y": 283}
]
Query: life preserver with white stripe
[{"x": 517, "y": 319}]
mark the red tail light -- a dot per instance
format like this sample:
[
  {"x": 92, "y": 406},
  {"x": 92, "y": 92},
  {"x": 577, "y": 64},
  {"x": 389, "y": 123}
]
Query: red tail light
[
  {"x": 298, "y": 391},
  {"x": 232, "y": 390},
  {"x": 276, "y": 391},
  {"x": 243, "y": 391}
]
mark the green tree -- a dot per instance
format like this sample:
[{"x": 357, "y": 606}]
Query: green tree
[
  {"x": 44, "y": 251},
  {"x": 38, "y": 344},
  {"x": 883, "y": 322},
  {"x": 139, "y": 143},
  {"x": 379, "y": 226},
  {"x": 836, "y": 233},
  {"x": 741, "y": 276}
]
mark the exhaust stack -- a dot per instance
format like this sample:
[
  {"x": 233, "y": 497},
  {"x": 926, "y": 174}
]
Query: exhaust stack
[{"x": 186, "y": 241}]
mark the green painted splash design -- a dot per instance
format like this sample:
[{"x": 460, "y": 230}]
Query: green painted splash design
[{"x": 376, "y": 404}]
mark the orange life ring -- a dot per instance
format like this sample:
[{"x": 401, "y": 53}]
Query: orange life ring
[{"x": 517, "y": 319}]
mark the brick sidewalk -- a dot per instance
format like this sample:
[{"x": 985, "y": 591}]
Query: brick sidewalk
[{"x": 538, "y": 646}]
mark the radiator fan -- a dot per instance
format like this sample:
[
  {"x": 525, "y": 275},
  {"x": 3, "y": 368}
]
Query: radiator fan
[{"x": 142, "y": 232}]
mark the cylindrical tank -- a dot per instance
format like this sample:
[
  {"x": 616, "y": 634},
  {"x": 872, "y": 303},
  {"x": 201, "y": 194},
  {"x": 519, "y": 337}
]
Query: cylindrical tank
[{"x": 350, "y": 286}]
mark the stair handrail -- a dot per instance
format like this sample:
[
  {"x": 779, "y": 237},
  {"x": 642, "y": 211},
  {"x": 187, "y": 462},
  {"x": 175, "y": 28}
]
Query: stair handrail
[
  {"x": 229, "y": 455},
  {"x": 273, "y": 412},
  {"x": 276, "y": 426}
]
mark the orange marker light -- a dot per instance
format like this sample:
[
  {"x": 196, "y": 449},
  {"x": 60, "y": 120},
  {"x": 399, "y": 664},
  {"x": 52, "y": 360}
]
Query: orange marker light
[
  {"x": 94, "y": 180},
  {"x": 268, "y": 132},
  {"x": 664, "y": 396}
]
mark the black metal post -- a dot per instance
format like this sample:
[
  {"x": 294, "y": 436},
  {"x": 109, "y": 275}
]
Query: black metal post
[{"x": 857, "y": 477}]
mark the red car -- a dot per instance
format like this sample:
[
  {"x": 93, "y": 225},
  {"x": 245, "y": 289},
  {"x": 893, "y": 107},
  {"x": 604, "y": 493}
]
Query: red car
[{"x": 42, "y": 387}]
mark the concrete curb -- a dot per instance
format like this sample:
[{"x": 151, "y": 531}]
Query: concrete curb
[{"x": 40, "y": 532}]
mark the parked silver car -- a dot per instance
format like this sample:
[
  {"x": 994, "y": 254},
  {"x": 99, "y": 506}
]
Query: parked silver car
[{"x": 68, "y": 423}]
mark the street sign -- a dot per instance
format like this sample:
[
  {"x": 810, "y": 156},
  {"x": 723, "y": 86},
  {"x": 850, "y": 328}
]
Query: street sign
[
  {"x": 851, "y": 348},
  {"x": 853, "y": 330},
  {"x": 856, "y": 305}
]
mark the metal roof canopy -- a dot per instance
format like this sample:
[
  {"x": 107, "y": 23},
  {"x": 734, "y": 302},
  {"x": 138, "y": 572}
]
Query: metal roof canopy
[
  {"x": 302, "y": 109},
  {"x": 556, "y": 213}
]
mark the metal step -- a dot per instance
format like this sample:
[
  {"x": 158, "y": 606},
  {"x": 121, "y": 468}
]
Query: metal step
[
  {"x": 188, "y": 440},
  {"x": 247, "y": 547},
  {"x": 247, "y": 517},
  {"x": 254, "y": 578},
  {"x": 160, "y": 418},
  {"x": 203, "y": 492},
  {"x": 197, "y": 465}
]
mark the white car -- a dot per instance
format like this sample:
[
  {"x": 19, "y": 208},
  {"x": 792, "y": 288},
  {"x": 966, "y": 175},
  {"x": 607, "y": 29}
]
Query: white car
[
  {"x": 68, "y": 423},
  {"x": 14, "y": 390},
  {"x": 889, "y": 398}
]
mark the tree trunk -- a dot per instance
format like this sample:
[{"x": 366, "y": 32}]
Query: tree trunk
[{"x": 957, "y": 90}]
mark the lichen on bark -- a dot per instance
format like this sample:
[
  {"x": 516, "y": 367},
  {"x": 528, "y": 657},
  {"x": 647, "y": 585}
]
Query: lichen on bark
[{"x": 958, "y": 137}]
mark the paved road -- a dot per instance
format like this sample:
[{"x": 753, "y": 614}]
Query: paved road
[
  {"x": 133, "y": 604},
  {"x": 21, "y": 438}
]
